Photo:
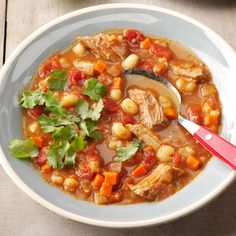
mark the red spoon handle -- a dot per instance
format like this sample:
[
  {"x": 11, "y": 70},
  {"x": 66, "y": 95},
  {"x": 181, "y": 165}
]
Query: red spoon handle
[{"x": 217, "y": 145}]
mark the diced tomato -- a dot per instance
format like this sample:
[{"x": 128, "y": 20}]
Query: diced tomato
[
  {"x": 86, "y": 173},
  {"x": 75, "y": 76},
  {"x": 49, "y": 65},
  {"x": 194, "y": 113},
  {"x": 161, "y": 51},
  {"x": 177, "y": 158},
  {"x": 42, "y": 157},
  {"x": 146, "y": 66},
  {"x": 127, "y": 119},
  {"x": 131, "y": 35},
  {"x": 36, "y": 111},
  {"x": 149, "y": 158},
  {"x": 138, "y": 157},
  {"x": 91, "y": 148},
  {"x": 110, "y": 106}
]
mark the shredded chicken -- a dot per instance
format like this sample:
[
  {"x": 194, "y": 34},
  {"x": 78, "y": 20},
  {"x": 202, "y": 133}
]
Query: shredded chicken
[
  {"x": 195, "y": 73},
  {"x": 145, "y": 135},
  {"x": 104, "y": 46},
  {"x": 151, "y": 113},
  {"x": 157, "y": 181}
]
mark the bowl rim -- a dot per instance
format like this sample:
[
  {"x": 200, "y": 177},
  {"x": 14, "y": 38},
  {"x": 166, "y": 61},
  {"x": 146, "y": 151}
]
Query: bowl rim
[{"x": 112, "y": 224}]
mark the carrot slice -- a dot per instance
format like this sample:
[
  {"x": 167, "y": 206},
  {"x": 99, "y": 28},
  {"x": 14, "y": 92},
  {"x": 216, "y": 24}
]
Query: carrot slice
[
  {"x": 45, "y": 169},
  {"x": 146, "y": 43},
  {"x": 111, "y": 177},
  {"x": 139, "y": 171},
  {"x": 193, "y": 163},
  {"x": 38, "y": 141},
  {"x": 117, "y": 83},
  {"x": 98, "y": 181},
  {"x": 170, "y": 113},
  {"x": 100, "y": 67},
  {"x": 106, "y": 189}
]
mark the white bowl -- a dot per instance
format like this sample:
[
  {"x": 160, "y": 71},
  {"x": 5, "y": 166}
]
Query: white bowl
[{"x": 58, "y": 34}]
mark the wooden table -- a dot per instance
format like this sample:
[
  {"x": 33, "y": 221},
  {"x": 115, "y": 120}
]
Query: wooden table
[{"x": 19, "y": 214}]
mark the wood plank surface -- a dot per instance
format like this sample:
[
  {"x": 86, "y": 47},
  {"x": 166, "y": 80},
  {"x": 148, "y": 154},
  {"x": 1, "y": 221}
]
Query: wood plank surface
[
  {"x": 25, "y": 16},
  {"x": 2, "y": 29}
]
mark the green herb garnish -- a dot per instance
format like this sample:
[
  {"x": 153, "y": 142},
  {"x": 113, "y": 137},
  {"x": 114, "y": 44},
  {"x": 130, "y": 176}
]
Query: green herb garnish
[
  {"x": 57, "y": 80},
  {"x": 94, "y": 89},
  {"x": 30, "y": 99},
  {"x": 126, "y": 153},
  {"x": 23, "y": 148}
]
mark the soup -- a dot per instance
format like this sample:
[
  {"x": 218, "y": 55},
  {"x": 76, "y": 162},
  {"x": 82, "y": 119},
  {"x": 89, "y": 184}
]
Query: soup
[{"x": 106, "y": 138}]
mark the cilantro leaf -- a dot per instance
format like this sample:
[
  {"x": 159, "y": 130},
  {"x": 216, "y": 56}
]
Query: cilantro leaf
[
  {"x": 30, "y": 99},
  {"x": 64, "y": 133},
  {"x": 94, "y": 89},
  {"x": 50, "y": 124},
  {"x": 72, "y": 118},
  {"x": 85, "y": 113},
  {"x": 96, "y": 135},
  {"x": 23, "y": 148},
  {"x": 79, "y": 144},
  {"x": 70, "y": 157},
  {"x": 82, "y": 109},
  {"x": 56, "y": 152},
  {"x": 90, "y": 128},
  {"x": 95, "y": 114},
  {"x": 52, "y": 105},
  {"x": 126, "y": 153},
  {"x": 57, "y": 80}
]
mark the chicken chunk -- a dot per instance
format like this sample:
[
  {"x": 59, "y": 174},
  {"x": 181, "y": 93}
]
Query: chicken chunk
[
  {"x": 197, "y": 74},
  {"x": 159, "y": 179},
  {"x": 104, "y": 46},
  {"x": 145, "y": 135},
  {"x": 151, "y": 113}
]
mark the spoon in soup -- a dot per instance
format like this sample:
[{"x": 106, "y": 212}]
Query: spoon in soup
[{"x": 218, "y": 146}]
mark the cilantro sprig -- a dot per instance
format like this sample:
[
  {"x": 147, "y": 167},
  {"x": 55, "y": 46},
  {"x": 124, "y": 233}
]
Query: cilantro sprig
[
  {"x": 62, "y": 124},
  {"x": 126, "y": 153},
  {"x": 30, "y": 99},
  {"x": 23, "y": 148},
  {"x": 63, "y": 153},
  {"x": 57, "y": 80},
  {"x": 94, "y": 89}
]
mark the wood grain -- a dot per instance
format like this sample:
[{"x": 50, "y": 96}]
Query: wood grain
[
  {"x": 2, "y": 29},
  {"x": 19, "y": 215}
]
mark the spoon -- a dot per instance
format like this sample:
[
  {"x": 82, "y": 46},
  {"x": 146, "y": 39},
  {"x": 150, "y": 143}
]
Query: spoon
[{"x": 211, "y": 141}]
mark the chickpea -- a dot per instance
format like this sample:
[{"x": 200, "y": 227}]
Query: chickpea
[
  {"x": 34, "y": 127},
  {"x": 70, "y": 184},
  {"x": 129, "y": 106},
  {"x": 189, "y": 87},
  {"x": 165, "y": 153},
  {"x": 56, "y": 179},
  {"x": 69, "y": 100},
  {"x": 64, "y": 63},
  {"x": 115, "y": 94},
  {"x": 186, "y": 151},
  {"x": 130, "y": 62},
  {"x": 164, "y": 101},
  {"x": 79, "y": 49},
  {"x": 120, "y": 131},
  {"x": 114, "y": 143},
  {"x": 185, "y": 86}
]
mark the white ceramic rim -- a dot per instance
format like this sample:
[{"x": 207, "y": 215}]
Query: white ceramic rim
[{"x": 111, "y": 224}]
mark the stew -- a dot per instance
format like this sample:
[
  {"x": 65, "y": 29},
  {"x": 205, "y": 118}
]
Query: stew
[{"x": 109, "y": 139}]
